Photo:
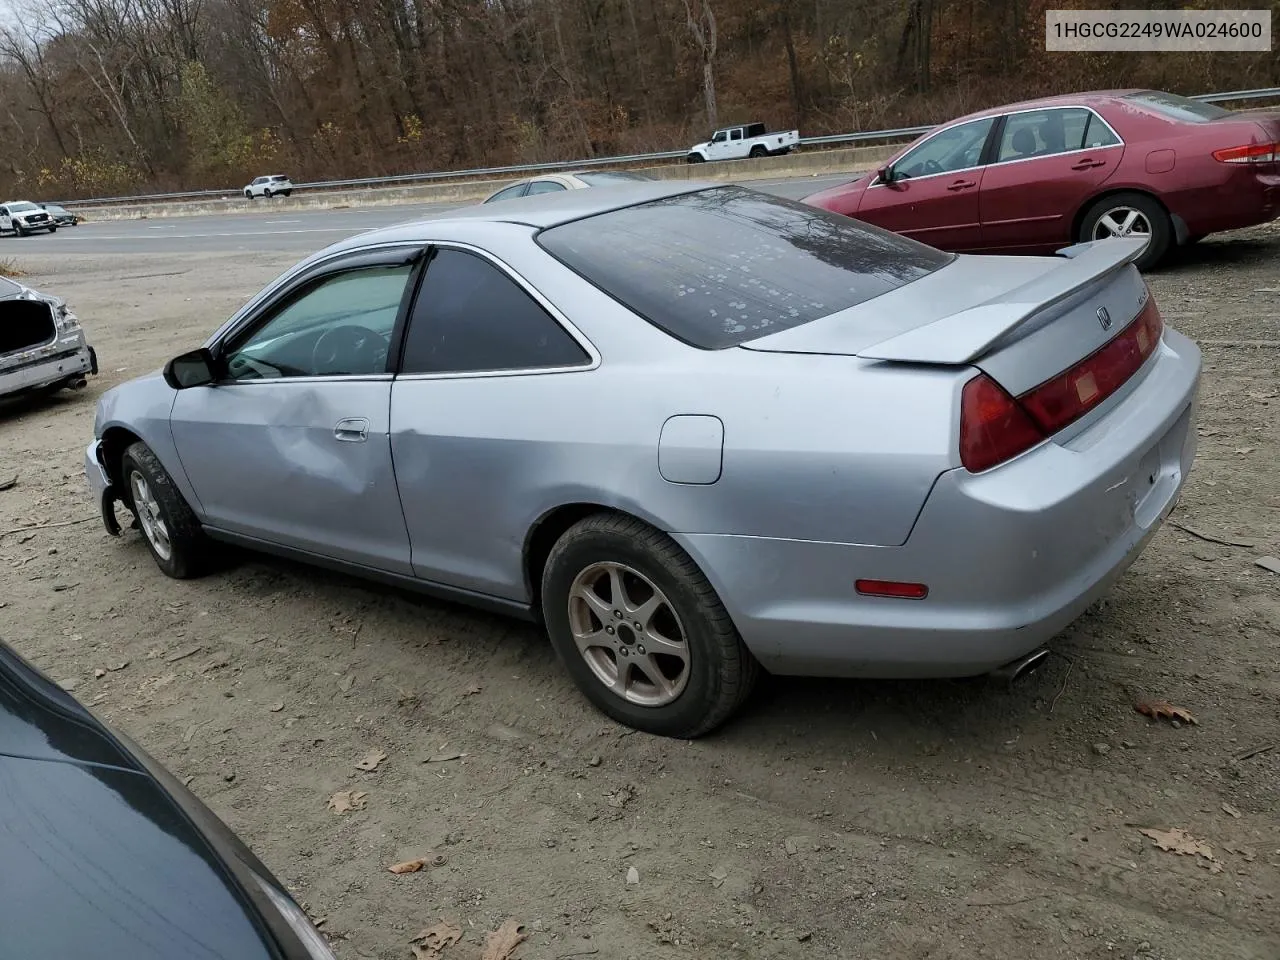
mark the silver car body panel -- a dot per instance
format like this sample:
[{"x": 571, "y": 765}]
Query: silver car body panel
[{"x": 787, "y": 468}]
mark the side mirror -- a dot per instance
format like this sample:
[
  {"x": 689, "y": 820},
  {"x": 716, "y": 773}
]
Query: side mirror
[
  {"x": 885, "y": 174},
  {"x": 194, "y": 369}
]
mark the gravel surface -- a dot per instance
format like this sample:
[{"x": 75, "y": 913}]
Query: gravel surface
[{"x": 832, "y": 819}]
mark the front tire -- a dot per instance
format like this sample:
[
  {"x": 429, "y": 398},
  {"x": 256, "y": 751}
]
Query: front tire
[
  {"x": 169, "y": 528},
  {"x": 53, "y": 229},
  {"x": 641, "y": 630},
  {"x": 695, "y": 158},
  {"x": 1130, "y": 215}
]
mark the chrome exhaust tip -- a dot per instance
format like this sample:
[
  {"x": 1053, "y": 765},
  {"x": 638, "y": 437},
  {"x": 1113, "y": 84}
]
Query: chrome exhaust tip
[
  {"x": 1023, "y": 666},
  {"x": 79, "y": 384}
]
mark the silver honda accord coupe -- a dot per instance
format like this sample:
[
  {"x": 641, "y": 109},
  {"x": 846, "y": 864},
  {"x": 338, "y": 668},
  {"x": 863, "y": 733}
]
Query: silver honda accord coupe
[{"x": 694, "y": 430}]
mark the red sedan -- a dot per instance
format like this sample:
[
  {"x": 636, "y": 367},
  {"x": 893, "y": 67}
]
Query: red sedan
[{"x": 1033, "y": 177}]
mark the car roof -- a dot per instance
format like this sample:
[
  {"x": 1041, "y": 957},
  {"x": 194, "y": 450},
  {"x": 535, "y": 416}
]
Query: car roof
[
  {"x": 545, "y": 210},
  {"x": 1085, "y": 98},
  {"x": 540, "y": 211}
]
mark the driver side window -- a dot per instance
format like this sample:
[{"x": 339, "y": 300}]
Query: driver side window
[
  {"x": 339, "y": 325},
  {"x": 958, "y": 148}
]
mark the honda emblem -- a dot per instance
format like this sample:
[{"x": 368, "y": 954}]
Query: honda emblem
[{"x": 1104, "y": 318}]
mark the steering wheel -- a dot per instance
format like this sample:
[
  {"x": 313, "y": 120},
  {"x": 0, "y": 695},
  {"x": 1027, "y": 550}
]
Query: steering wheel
[{"x": 349, "y": 349}]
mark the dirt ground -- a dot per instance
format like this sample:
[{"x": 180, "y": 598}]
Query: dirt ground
[{"x": 832, "y": 819}]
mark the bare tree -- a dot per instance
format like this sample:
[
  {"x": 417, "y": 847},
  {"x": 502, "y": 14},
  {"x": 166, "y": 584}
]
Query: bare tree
[{"x": 702, "y": 25}]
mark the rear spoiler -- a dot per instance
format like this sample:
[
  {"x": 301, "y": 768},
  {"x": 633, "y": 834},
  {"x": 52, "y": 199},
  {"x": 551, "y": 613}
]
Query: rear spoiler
[{"x": 963, "y": 337}]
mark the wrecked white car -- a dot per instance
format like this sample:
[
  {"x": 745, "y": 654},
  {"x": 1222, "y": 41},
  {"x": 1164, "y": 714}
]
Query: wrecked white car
[{"x": 42, "y": 346}]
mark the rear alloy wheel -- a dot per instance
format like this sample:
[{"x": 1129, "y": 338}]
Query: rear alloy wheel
[
  {"x": 641, "y": 630},
  {"x": 169, "y": 528},
  {"x": 1133, "y": 216},
  {"x": 758, "y": 151}
]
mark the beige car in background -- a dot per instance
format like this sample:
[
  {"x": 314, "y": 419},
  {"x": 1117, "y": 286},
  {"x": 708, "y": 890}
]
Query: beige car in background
[{"x": 555, "y": 182}]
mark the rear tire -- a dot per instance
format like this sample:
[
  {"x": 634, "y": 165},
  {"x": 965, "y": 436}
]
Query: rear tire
[
  {"x": 1130, "y": 214},
  {"x": 286, "y": 193},
  {"x": 758, "y": 151},
  {"x": 661, "y": 653},
  {"x": 169, "y": 528}
]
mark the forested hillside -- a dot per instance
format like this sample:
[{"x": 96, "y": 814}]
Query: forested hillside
[{"x": 111, "y": 96}]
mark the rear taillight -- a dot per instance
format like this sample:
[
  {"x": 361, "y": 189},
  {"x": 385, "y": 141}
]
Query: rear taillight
[
  {"x": 995, "y": 427},
  {"x": 1250, "y": 153}
]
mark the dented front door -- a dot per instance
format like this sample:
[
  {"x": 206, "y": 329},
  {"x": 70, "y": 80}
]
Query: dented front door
[{"x": 301, "y": 463}]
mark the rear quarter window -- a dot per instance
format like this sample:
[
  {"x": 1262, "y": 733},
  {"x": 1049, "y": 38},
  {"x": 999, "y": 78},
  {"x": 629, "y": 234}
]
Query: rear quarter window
[{"x": 723, "y": 266}]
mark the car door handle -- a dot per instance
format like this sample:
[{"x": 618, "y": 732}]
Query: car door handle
[
  {"x": 962, "y": 185},
  {"x": 1087, "y": 164},
  {"x": 352, "y": 430}
]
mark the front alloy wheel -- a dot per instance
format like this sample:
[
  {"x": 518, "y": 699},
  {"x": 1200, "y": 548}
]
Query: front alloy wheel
[{"x": 149, "y": 516}]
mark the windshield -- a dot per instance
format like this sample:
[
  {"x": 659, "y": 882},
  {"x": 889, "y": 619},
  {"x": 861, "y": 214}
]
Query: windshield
[
  {"x": 22, "y": 207},
  {"x": 1177, "y": 108},
  {"x": 722, "y": 266}
]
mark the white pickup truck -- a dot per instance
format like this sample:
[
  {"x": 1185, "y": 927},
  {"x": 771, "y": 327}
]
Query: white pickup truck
[{"x": 748, "y": 140}]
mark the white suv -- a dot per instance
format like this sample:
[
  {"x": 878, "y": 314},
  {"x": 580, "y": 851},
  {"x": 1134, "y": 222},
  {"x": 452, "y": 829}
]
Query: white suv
[{"x": 275, "y": 185}]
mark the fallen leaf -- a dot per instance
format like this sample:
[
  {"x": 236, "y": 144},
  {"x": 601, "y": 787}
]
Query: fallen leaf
[
  {"x": 1245, "y": 449},
  {"x": 431, "y": 942},
  {"x": 119, "y": 666},
  {"x": 182, "y": 653},
  {"x": 1182, "y": 843},
  {"x": 1230, "y": 810},
  {"x": 409, "y": 866},
  {"x": 1163, "y": 710},
  {"x": 472, "y": 690},
  {"x": 276, "y": 707},
  {"x": 347, "y": 682},
  {"x": 500, "y": 944},
  {"x": 344, "y": 801},
  {"x": 371, "y": 762},
  {"x": 633, "y": 876}
]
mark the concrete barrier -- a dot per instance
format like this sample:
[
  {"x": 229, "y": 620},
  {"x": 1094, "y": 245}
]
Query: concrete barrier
[{"x": 815, "y": 163}]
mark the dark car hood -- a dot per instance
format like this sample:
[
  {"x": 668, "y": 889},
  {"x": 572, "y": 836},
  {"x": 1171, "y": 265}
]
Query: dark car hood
[{"x": 96, "y": 859}]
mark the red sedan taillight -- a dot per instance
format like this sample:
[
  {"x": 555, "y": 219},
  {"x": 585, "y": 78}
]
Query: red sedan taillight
[
  {"x": 995, "y": 427},
  {"x": 1249, "y": 153}
]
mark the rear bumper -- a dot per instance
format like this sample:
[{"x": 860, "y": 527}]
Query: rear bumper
[
  {"x": 1243, "y": 199},
  {"x": 47, "y": 372},
  {"x": 1011, "y": 556}
]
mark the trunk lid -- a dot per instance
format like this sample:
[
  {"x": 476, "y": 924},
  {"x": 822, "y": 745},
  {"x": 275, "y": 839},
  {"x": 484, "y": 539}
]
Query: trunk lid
[{"x": 1021, "y": 320}]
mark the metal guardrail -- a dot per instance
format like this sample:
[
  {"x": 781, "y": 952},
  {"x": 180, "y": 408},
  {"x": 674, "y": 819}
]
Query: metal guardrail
[{"x": 899, "y": 133}]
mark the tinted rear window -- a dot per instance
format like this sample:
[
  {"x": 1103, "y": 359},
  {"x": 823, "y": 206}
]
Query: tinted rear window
[
  {"x": 1177, "y": 108},
  {"x": 723, "y": 266},
  {"x": 613, "y": 176}
]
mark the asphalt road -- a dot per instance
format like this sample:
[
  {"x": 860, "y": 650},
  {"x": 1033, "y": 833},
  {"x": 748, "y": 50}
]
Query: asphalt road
[{"x": 297, "y": 231}]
